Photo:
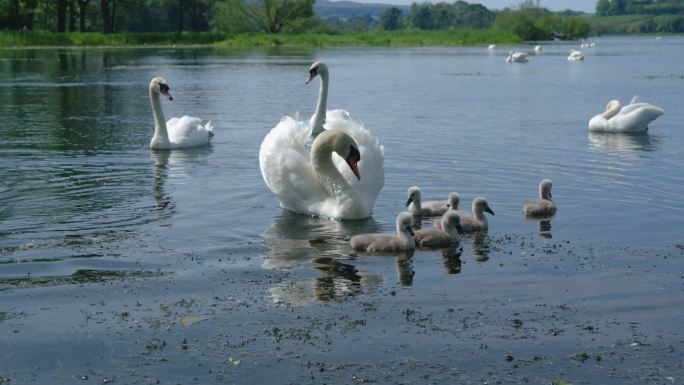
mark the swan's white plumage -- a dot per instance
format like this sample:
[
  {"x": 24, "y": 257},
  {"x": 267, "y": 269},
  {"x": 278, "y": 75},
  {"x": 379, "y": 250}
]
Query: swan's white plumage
[
  {"x": 184, "y": 132},
  {"x": 633, "y": 117},
  {"x": 287, "y": 170},
  {"x": 517, "y": 57},
  {"x": 575, "y": 55}
]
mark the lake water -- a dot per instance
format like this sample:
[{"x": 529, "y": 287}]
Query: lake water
[{"x": 100, "y": 237}]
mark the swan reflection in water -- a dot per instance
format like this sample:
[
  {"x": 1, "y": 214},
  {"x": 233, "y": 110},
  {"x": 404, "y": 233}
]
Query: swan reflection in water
[
  {"x": 162, "y": 201},
  {"x": 295, "y": 240},
  {"x": 451, "y": 259},
  {"x": 624, "y": 142},
  {"x": 480, "y": 246},
  {"x": 172, "y": 164}
]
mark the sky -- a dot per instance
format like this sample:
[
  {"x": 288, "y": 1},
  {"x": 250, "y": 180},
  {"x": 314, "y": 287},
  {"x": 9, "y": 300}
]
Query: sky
[{"x": 554, "y": 5}]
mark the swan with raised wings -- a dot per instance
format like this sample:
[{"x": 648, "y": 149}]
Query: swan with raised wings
[
  {"x": 328, "y": 184},
  {"x": 183, "y": 132},
  {"x": 633, "y": 117}
]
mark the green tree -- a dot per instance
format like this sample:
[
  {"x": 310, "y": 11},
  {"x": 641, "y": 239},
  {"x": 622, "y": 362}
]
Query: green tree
[
  {"x": 227, "y": 16},
  {"x": 274, "y": 15},
  {"x": 421, "y": 16},
  {"x": 602, "y": 7},
  {"x": 391, "y": 19}
]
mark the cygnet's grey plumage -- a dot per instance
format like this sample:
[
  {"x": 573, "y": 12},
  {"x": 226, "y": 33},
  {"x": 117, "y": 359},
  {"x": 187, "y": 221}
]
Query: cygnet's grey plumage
[
  {"x": 477, "y": 221},
  {"x": 426, "y": 209},
  {"x": 403, "y": 240},
  {"x": 447, "y": 235},
  {"x": 452, "y": 202},
  {"x": 544, "y": 206}
]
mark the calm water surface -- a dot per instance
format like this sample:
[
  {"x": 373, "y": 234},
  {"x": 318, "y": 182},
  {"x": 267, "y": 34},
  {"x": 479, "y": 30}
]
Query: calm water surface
[{"x": 83, "y": 199}]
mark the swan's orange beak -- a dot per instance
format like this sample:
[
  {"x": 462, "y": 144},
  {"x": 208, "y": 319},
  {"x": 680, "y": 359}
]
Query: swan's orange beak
[
  {"x": 312, "y": 74},
  {"x": 164, "y": 89},
  {"x": 352, "y": 159}
]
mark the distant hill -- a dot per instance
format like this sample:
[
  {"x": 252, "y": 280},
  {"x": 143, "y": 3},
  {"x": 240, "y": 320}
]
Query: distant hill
[{"x": 346, "y": 9}]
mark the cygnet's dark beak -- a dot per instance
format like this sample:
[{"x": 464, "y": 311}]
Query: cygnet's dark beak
[
  {"x": 459, "y": 229},
  {"x": 408, "y": 202},
  {"x": 488, "y": 210},
  {"x": 409, "y": 230}
]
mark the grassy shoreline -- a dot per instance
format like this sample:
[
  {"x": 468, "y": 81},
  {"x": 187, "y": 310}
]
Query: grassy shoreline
[{"x": 401, "y": 38}]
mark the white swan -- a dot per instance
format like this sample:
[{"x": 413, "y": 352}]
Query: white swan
[
  {"x": 419, "y": 208},
  {"x": 491, "y": 47},
  {"x": 183, "y": 132},
  {"x": 477, "y": 221},
  {"x": 575, "y": 55},
  {"x": 538, "y": 48},
  {"x": 403, "y": 240},
  {"x": 634, "y": 117},
  {"x": 287, "y": 171},
  {"x": 517, "y": 57},
  {"x": 447, "y": 234},
  {"x": 544, "y": 206}
]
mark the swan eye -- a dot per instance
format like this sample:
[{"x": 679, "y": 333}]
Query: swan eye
[
  {"x": 313, "y": 72},
  {"x": 163, "y": 87}
]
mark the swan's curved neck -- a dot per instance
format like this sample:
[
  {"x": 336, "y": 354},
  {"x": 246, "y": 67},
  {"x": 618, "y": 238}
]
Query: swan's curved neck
[
  {"x": 330, "y": 177},
  {"x": 451, "y": 232},
  {"x": 318, "y": 119},
  {"x": 405, "y": 236},
  {"x": 160, "y": 131},
  {"x": 612, "y": 110},
  {"x": 479, "y": 214}
]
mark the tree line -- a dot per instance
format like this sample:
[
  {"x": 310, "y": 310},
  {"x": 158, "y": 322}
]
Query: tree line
[
  {"x": 528, "y": 20},
  {"x": 639, "y": 7}
]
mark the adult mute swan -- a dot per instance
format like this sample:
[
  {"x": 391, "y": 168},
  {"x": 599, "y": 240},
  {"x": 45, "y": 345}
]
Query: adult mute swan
[
  {"x": 445, "y": 235},
  {"x": 575, "y": 55},
  {"x": 634, "y": 117},
  {"x": 419, "y": 208},
  {"x": 544, "y": 206},
  {"x": 330, "y": 189},
  {"x": 183, "y": 132},
  {"x": 403, "y": 240},
  {"x": 517, "y": 57},
  {"x": 477, "y": 221}
]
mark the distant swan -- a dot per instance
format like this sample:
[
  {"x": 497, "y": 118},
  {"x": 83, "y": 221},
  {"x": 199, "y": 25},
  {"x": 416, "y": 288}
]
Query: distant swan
[
  {"x": 287, "y": 171},
  {"x": 517, "y": 57},
  {"x": 491, "y": 47},
  {"x": 538, "y": 48},
  {"x": 176, "y": 133},
  {"x": 477, "y": 221},
  {"x": 419, "y": 208},
  {"x": 575, "y": 55},
  {"x": 447, "y": 234},
  {"x": 543, "y": 206},
  {"x": 634, "y": 117},
  {"x": 403, "y": 240}
]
